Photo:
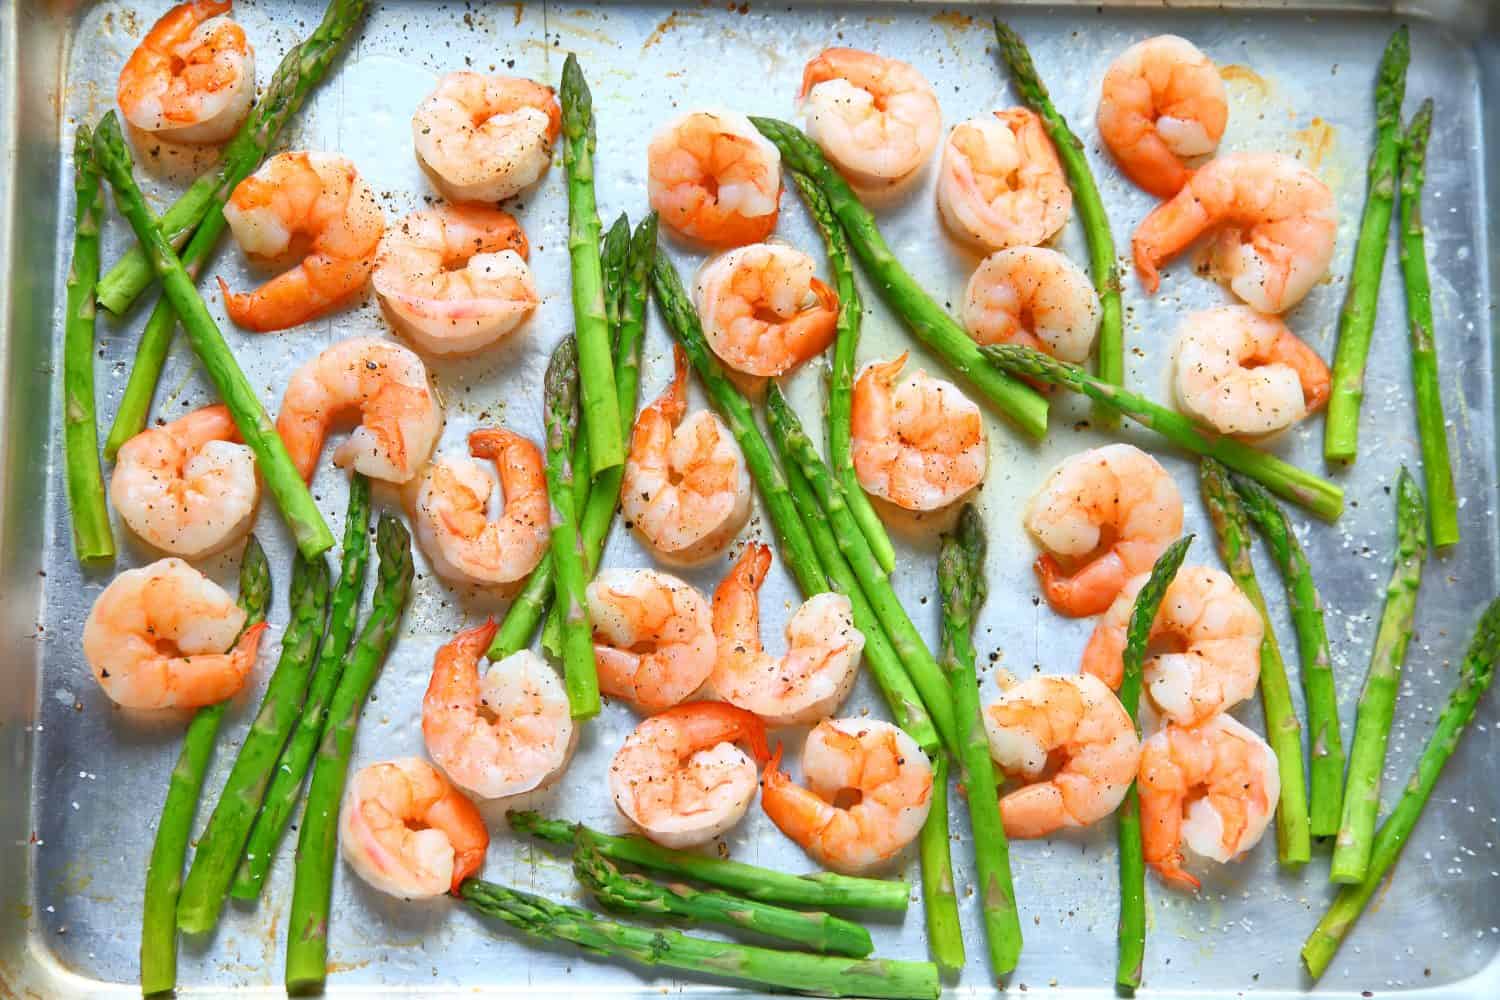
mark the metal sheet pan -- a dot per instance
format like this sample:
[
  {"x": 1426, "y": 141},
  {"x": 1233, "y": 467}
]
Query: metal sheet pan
[{"x": 82, "y": 782}]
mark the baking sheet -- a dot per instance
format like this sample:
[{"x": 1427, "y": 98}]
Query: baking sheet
[{"x": 84, "y": 781}]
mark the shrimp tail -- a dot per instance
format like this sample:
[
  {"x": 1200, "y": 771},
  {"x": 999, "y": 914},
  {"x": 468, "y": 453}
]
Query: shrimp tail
[
  {"x": 1170, "y": 868},
  {"x": 673, "y": 402},
  {"x": 245, "y": 650},
  {"x": 1088, "y": 592},
  {"x": 461, "y": 820}
]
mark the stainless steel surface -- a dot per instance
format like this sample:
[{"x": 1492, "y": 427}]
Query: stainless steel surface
[{"x": 83, "y": 782}]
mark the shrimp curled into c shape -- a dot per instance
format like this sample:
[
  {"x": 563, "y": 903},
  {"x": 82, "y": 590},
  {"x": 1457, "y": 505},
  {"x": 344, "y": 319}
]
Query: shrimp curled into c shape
[
  {"x": 484, "y": 138},
  {"x": 1001, "y": 184},
  {"x": 1036, "y": 297},
  {"x": 1243, "y": 372},
  {"x": 713, "y": 177},
  {"x": 764, "y": 310},
  {"x": 653, "y": 637},
  {"x": 192, "y": 78},
  {"x": 878, "y": 119}
]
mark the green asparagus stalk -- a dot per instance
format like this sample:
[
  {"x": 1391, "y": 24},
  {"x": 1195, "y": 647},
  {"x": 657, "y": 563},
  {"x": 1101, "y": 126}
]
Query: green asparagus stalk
[
  {"x": 819, "y": 975},
  {"x": 291, "y": 768},
  {"x": 93, "y": 540},
  {"x": 1132, "y": 929},
  {"x": 945, "y": 940},
  {"x": 925, "y": 317},
  {"x": 766, "y": 885},
  {"x": 169, "y": 850},
  {"x": 255, "y": 427},
  {"x": 1474, "y": 680},
  {"x": 1437, "y": 467},
  {"x": 962, "y": 589},
  {"x": 637, "y": 894},
  {"x": 300, "y": 70},
  {"x": 1377, "y": 702},
  {"x": 1283, "y": 730},
  {"x": 1103, "y": 267},
  {"x": 317, "y": 844},
  {"x": 1318, "y": 495},
  {"x": 1325, "y": 743},
  {"x": 1357, "y": 321}
]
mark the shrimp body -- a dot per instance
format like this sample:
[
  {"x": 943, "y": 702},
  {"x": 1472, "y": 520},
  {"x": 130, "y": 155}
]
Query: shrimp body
[
  {"x": 294, "y": 199},
  {"x": 386, "y": 384},
  {"x": 919, "y": 443},
  {"x": 187, "y": 487},
  {"x": 811, "y": 679},
  {"x": 1001, "y": 184},
  {"x": 1211, "y": 789},
  {"x": 1072, "y": 743},
  {"x": 500, "y": 736},
  {"x": 454, "y": 279},
  {"x": 157, "y": 637},
  {"x": 1243, "y": 372},
  {"x": 192, "y": 78},
  {"x": 714, "y": 178},
  {"x": 1274, "y": 220},
  {"x": 872, "y": 762},
  {"x": 679, "y": 776},
  {"x": 764, "y": 310},
  {"x": 1036, "y": 297},
  {"x": 408, "y": 832},
  {"x": 685, "y": 490},
  {"x": 1214, "y": 632},
  {"x": 1162, "y": 102},
  {"x": 877, "y": 119},
  {"x": 653, "y": 637},
  {"x": 485, "y": 138},
  {"x": 452, "y": 518},
  {"x": 1101, "y": 517}
]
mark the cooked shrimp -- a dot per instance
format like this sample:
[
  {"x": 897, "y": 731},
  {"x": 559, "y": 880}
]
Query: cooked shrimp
[
  {"x": 653, "y": 637},
  {"x": 387, "y": 384},
  {"x": 713, "y": 177},
  {"x": 409, "y": 833},
  {"x": 192, "y": 78},
  {"x": 679, "y": 776},
  {"x": 686, "y": 490},
  {"x": 1000, "y": 184},
  {"x": 764, "y": 310},
  {"x": 1073, "y": 744},
  {"x": 157, "y": 637},
  {"x": 1101, "y": 517},
  {"x": 1211, "y": 633},
  {"x": 871, "y": 763},
  {"x": 877, "y": 119},
  {"x": 1243, "y": 372},
  {"x": 919, "y": 443},
  {"x": 1275, "y": 224},
  {"x": 811, "y": 679},
  {"x": 499, "y": 736},
  {"x": 187, "y": 487},
  {"x": 485, "y": 138},
  {"x": 452, "y": 518},
  {"x": 1162, "y": 103},
  {"x": 317, "y": 200},
  {"x": 1036, "y": 297},
  {"x": 1211, "y": 789},
  {"x": 454, "y": 279}
]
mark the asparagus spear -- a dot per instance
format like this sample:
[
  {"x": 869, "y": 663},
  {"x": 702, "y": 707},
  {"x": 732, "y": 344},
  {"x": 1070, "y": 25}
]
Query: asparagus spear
[
  {"x": 765, "y": 885},
  {"x": 1325, "y": 744},
  {"x": 1474, "y": 680},
  {"x": 1132, "y": 930},
  {"x": 820, "y": 975},
  {"x": 1377, "y": 702},
  {"x": 1283, "y": 731},
  {"x": 317, "y": 845},
  {"x": 638, "y": 894},
  {"x": 299, "y": 71},
  {"x": 1437, "y": 467},
  {"x": 164, "y": 870},
  {"x": 1287, "y": 481},
  {"x": 962, "y": 590},
  {"x": 945, "y": 940},
  {"x": 1357, "y": 321},
  {"x": 286, "y": 781},
  {"x": 926, "y": 319},
  {"x": 93, "y": 540},
  {"x": 1102, "y": 264},
  {"x": 255, "y": 427}
]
